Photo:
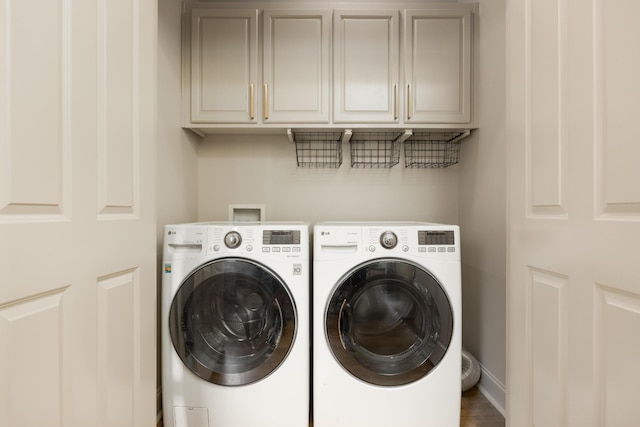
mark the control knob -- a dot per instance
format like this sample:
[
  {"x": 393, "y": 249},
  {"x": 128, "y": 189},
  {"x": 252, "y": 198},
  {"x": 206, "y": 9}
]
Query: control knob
[
  {"x": 233, "y": 239},
  {"x": 388, "y": 240}
]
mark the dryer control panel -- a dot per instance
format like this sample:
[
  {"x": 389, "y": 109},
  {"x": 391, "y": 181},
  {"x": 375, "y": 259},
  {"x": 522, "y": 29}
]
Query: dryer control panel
[
  {"x": 414, "y": 240},
  {"x": 338, "y": 240}
]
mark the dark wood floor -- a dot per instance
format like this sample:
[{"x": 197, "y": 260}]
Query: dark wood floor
[{"x": 477, "y": 411}]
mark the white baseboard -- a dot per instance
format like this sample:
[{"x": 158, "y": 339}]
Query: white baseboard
[{"x": 493, "y": 390}]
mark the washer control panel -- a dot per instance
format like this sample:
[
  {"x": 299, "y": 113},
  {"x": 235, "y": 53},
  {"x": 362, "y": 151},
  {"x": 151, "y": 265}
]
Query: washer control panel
[{"x": 284, "y": 242}]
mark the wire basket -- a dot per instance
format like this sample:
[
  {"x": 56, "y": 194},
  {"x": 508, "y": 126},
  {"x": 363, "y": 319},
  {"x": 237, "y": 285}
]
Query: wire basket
[
  {"x": 433, "y": 149},
  {"x": 374, "y": 149},
  {"x": 318, "y": 149}
]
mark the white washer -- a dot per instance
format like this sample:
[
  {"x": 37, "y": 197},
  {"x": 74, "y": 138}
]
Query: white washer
[
  {"x": 386, "y": 325},
  {"x": 235, "y": 325}
]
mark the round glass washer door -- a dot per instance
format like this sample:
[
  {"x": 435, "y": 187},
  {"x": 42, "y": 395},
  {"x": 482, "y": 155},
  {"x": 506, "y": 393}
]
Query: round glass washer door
[
  {"x": 389, "y": 322},
  {"x": 232, "y": 322}
]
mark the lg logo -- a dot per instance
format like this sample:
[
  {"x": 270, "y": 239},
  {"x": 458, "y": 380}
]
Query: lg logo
[{"x": 324, "y": 233}]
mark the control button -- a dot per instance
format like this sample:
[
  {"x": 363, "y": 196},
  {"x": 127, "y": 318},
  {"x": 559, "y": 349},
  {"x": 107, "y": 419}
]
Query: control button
[
  {"x": 441, "y": 249},
  {"x": 275, "y": 249},
  {"x": 405, "y": 248},
  {"x": 265, "y": 249},
  {"x": 216, "y": 248},
  {"x": 372, "y": 248},
  {"x": 296, "y": 249},
  {"x": 232, "y": 239},
  {"x": 451, "y": 249},
  {"x": 388, "y": 240},
  {"x": 249, "y": 248},
  {"x": 297, "y": 269},
  {"x": 286, "y": 249},
  {"x": 422, "y": 249},
  {"x": 432, "y": 249}
]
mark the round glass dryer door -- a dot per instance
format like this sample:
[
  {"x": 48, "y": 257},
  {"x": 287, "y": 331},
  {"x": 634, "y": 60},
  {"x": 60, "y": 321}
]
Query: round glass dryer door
[
  {"x": 389, "y": 322},
  {"x": 232, "y": 322}
]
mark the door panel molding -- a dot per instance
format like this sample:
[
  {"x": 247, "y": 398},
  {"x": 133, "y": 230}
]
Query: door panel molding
[
  {"x": 35, "y": 161},
  {"x": 546, "y": 127},
  {"x": 548, "y": 345},
  {"x": 30, "y": 362},
  {"x": 117, "y": 347},
  {"x": 118, "y": 143},
  {"x": 615, "y": 107},
  {"x": 617, "y": 318}
]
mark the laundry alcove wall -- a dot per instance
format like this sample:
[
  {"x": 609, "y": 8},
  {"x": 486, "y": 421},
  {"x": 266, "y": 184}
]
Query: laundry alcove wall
[{"x": 250, "y": 169}]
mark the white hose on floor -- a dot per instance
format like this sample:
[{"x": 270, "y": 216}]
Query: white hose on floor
[{"x": 470, "y": 370}]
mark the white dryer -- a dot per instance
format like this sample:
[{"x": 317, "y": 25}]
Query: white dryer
[
  {"x": 235, "y": 325},
  {"x": 386, "y": 325}
]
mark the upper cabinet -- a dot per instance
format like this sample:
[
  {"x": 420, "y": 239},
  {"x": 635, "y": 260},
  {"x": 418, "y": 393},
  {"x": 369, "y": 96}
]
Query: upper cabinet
[
  {"x": 296, "y": 66},
  {"x": 223, "y": 65},
  {"x": 311, "y": 67},
  {"x": 438, "y": 66},
  {"x": 366, "y": 61}
]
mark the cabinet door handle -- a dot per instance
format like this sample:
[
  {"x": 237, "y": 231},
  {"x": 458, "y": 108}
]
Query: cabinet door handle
[
  {"x": 252, "y": 101},
  {"x": 266, "y": 101},
  {"x": 395, "y": 101},
  {"x": 409, "y": 103}
]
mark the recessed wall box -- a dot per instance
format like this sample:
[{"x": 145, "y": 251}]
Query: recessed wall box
[{"x": 247, "y": 213}]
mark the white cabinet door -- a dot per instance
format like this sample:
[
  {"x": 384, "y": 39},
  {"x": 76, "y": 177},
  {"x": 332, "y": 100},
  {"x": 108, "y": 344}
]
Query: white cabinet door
[
  {"x": 438, "y": 66},
  {"x": 366, "y": 66},
  {"x": 224, "y": 58},
  {"x": 296, "y": 66}
]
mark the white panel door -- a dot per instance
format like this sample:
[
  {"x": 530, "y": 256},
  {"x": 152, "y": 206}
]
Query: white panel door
[
  {"x": 437, "y": 47},
  {"x": 224, "y": 65},
  {"x": 296, "y": 66},
  {"x": 77, "y": 213},
  {"x": 365, "y": 61},
  {"x": 574, "y": 234}
]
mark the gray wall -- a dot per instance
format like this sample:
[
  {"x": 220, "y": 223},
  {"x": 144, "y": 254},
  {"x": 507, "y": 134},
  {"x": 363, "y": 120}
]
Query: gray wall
[
  {"x": 262, "y": 169},
  {"x": 483, "y": 209}
]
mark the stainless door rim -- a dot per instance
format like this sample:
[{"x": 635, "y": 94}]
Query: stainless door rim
[
  {"x": 232, "y": 321},
  {"x": 388, "y": 321}
]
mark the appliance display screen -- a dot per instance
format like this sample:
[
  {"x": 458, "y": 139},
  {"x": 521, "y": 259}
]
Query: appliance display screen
[
  {"x": 443, "y": 237},
  {"x": 281, "y": 237}
]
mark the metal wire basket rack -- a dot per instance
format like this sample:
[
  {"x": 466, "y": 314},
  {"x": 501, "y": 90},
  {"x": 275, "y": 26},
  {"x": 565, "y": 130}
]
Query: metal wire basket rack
[
  {"x": 318, "y": 149},
  {"x": 433, "y": 149},
  {"x": 375, "y": 149}
]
